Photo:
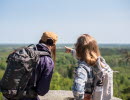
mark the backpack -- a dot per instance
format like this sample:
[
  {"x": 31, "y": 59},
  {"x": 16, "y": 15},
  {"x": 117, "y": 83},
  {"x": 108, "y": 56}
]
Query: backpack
[
  {"x": 20, "y": 65},
  {"x": 100, "y": 79},
  {"x": 103, "y": 81}
]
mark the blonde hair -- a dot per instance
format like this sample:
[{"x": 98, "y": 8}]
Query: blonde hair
[{"x": 87, "y": 49}]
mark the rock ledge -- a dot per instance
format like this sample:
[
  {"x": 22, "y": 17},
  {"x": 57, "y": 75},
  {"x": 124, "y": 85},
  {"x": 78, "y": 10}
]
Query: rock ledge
[{"x": 62, "y": 95}]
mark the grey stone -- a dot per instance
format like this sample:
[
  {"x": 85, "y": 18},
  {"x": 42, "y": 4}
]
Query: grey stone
[{"x": 62, "y": 95}]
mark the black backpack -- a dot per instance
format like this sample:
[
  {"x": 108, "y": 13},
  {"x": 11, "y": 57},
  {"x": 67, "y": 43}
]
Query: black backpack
[{"x": 20, "y": 65}]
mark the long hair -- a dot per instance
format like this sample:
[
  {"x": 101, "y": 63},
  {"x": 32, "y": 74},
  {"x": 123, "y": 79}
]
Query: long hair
[
  {"x": 87, "y": 49},
  {"x": 53, "y": 50}
]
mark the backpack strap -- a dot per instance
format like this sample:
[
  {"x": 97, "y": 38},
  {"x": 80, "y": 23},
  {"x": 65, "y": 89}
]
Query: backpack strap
[
  {"x": 38, "y": 53},
  {"x": 90, "y": 75},
  {"x": 86, "y": 71},
  {"x": 42, "y": 53}
]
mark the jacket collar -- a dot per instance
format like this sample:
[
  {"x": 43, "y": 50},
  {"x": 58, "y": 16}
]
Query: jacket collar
[{"x": 43, "y": 47}]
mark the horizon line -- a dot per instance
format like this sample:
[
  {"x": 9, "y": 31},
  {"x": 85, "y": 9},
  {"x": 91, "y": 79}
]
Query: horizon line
[{"x": 63, "y": 43}]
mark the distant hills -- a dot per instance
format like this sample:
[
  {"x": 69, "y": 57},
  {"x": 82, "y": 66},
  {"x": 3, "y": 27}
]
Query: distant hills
[
  {"x": 71, "y": 45},
  {"x": 100, "y": 45}
]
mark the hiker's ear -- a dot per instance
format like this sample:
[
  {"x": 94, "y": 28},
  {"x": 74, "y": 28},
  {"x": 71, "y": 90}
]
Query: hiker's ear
[{"x": 49, "y": 42}]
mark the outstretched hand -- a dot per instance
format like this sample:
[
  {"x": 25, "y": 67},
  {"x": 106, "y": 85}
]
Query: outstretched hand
[{"x": 67, "y": 49}]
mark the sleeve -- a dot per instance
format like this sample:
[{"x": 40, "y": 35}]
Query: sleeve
[
  {"x": 43, "y": 83},
  {"x": 79, "y": 83},
  {"x": 73, "y": 52}
]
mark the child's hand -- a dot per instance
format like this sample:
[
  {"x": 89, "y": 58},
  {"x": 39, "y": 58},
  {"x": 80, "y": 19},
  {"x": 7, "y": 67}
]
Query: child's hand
[{"x": 67, "y": 49}]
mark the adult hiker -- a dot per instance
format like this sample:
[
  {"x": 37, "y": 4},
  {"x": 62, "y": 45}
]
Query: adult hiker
[
  {"x": 40, "y": 78},
  {"x": 45, "y": 68},
  {"x": 93, "y": 76}
]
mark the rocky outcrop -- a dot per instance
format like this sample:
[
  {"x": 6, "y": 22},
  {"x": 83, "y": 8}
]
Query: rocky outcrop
[{"x": 62, "y": 95}]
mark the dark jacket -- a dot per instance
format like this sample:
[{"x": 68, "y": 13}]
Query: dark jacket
[{"x": 44, "y": 73}]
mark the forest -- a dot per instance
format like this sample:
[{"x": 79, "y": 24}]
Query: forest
[{"x": 117, "y": 56}]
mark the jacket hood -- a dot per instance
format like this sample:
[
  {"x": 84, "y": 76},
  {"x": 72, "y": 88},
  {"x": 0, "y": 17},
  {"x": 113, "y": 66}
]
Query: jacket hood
[{"x": 43, "y": 47}]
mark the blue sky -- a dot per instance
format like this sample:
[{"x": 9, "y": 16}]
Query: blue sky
[{"x": 24, "y": 21}]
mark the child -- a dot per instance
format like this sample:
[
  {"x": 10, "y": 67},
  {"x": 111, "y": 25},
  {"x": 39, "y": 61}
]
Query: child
[{"x": 86, "y": 86}]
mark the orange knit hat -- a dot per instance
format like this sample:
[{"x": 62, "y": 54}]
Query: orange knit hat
[{"x": 47, "y": 35}]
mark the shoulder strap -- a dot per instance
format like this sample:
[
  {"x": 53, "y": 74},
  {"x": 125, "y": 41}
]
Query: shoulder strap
[
  {"x": 86, "y": 71},
  {"x": 90, "y": 76},
  {"x": 42, "y": 53}
]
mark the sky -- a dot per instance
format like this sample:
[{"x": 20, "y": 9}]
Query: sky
[{"x": 24, "y": 21}]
